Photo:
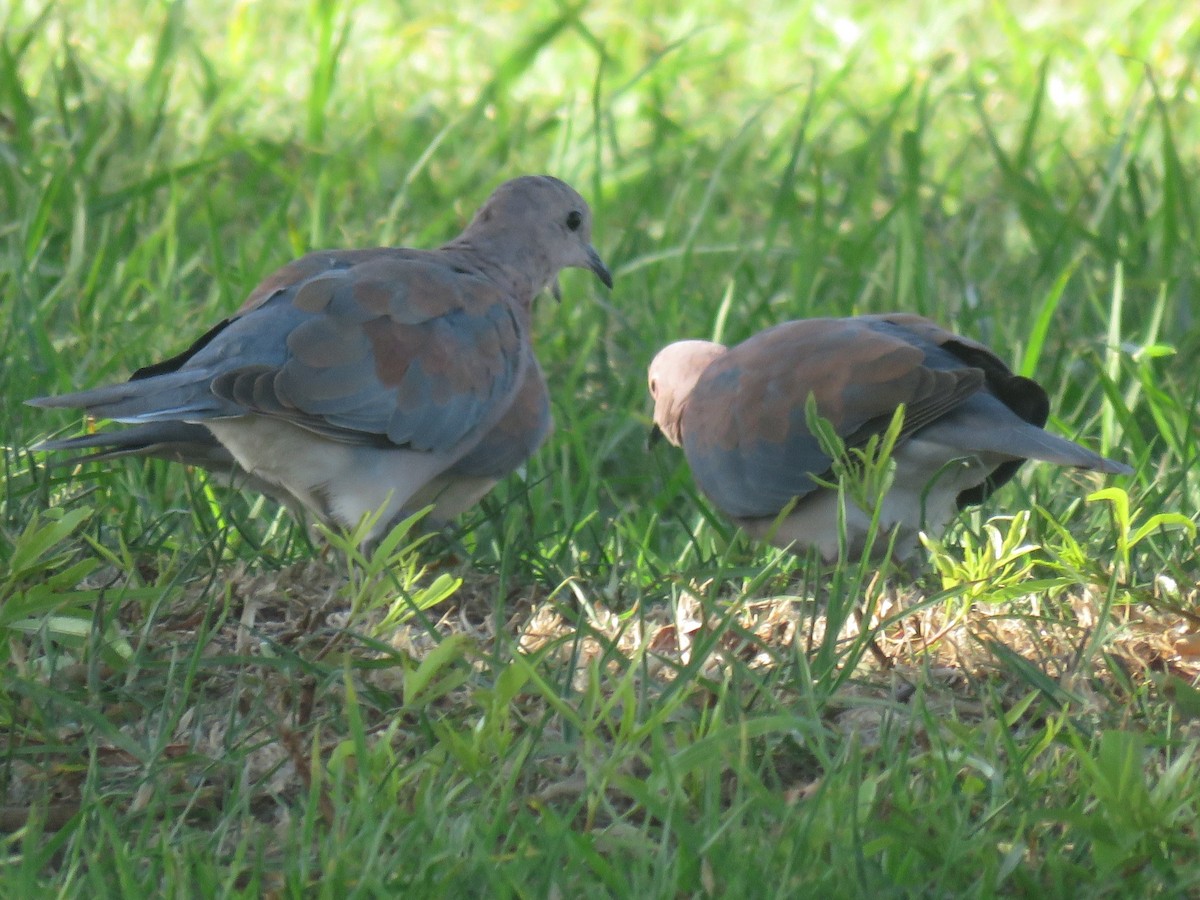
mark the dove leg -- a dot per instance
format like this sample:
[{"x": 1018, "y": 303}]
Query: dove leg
[{"x": 449, "y": 495}]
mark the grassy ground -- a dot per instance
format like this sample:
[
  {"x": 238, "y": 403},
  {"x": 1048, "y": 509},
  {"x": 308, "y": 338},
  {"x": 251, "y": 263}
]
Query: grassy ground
[{"x": 596, "y": 688}]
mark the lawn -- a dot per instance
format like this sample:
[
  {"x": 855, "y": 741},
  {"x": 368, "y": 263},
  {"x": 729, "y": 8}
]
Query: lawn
[{"x": 594, "y": 685}]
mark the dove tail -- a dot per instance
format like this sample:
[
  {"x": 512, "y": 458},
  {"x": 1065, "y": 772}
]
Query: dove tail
[
  {"x": 160, "y": 398},
  {"x": 175, "y": 441},
  {"x": 985, "y": 425},
  {"x": 1041, "y": 445}
]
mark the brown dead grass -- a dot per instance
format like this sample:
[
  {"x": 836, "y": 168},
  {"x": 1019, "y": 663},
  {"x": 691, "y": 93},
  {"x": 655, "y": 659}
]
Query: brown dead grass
[{"x": 260, "y": 617}]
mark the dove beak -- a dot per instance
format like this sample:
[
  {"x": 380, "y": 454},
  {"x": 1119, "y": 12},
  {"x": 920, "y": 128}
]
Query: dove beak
[
  {"x": 654, "y": 438},
  {"x": 596, "y": 264}
]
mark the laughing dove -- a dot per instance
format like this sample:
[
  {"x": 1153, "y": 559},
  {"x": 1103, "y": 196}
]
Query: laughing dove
[
  {"x": 360, "y": 380},
  {"x": 739, "y": 415}
]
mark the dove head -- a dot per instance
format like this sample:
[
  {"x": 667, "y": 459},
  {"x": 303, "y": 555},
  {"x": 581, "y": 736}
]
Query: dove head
[
  {"x": 673, "y": 374},
  {"x": 532, "y": 228}
]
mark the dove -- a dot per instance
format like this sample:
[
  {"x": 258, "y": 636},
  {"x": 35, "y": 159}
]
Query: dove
[
  {"x": 523, "y": 428},
  {"x": 355, "y": 381},
  {"x": 739, "y": 415}
]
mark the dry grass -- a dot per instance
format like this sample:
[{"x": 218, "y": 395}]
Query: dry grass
[{"x": 300, "y": 611}]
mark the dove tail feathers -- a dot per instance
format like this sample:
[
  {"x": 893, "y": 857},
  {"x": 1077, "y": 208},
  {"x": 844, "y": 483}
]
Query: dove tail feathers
[
  {"x": 176, "y": 441},
  {"x": 985, "y": 425},
  {"x": 162, "y": 398},
  {"x": 1044, "y": 446},
  {"x": 1022, "y": 440},
  {"x": 180, "y": 442}
]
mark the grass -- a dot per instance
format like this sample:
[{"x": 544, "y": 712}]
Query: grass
[{"x": 595, "y": 687}]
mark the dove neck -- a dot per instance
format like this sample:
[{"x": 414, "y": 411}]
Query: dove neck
[{"x": 509, "y": 263}]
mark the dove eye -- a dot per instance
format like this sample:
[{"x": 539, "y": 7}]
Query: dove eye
[{"x": 574, "y": 220}]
